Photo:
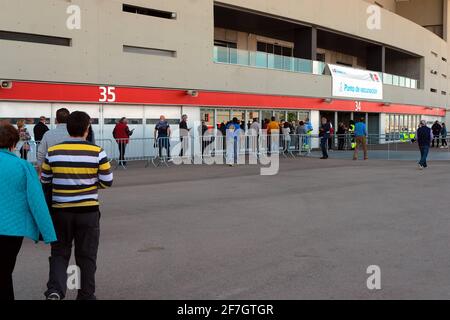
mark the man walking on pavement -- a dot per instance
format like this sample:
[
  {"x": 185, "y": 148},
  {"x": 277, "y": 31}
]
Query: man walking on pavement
[
  {"x": 360, "y": 139},
  {"x": 424, "y": 138},
  {"x": 324, "y": 134},
  {"x": 50, "y": 139},
  {"x": 76, "y": 169}
]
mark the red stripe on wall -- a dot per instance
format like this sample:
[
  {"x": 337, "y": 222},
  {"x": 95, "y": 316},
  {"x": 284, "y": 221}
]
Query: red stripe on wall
[{"x": 73, "y": 93}]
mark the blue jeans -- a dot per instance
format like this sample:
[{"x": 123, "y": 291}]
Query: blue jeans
[
  {"x": 324, "y": 146},
  {"x": 424, "y": 150}
]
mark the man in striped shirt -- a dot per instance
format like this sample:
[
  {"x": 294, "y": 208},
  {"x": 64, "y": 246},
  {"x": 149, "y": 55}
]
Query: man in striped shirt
[{"x": 76, "y": 169}]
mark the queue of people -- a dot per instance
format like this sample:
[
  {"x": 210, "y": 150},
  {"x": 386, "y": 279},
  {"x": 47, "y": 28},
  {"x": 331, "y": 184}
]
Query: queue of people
[
  {"x": 298, "y": 134},
  {"x": 57, "y": 204}
]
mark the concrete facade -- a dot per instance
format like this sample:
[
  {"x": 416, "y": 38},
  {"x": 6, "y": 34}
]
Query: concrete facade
[{"x": 97, "y": 56}]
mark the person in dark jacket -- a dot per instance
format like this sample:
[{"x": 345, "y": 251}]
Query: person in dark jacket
[
  {"x": 40, "y": 129},
  {"x": 162, "y": 135},
  {"x": 436, "y": 128},
  {"x": 324, "y": 134},
  {"x": 424, "y": 137},
  {"x": 444, "y": 134}
]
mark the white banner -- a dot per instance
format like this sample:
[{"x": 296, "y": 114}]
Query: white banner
[{"x": 356, "y": 83}]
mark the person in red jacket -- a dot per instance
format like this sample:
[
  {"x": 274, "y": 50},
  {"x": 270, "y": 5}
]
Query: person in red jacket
[{"x": 122, "y": 135}]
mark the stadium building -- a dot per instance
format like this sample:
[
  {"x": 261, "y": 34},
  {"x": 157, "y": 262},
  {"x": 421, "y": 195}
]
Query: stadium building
[{"x": 386, "y": 60}]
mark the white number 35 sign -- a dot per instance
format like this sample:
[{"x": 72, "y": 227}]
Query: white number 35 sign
[{"x": 107, "y": 94}]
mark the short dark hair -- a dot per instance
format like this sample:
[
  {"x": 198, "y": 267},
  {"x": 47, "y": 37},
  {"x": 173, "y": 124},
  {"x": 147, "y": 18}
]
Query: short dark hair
[
  {"x": 78, "y": 123},
  {"x": 62, "y": 115},
  {"x": 273, "y": 118},
  {"x": 9, "y": 136}
]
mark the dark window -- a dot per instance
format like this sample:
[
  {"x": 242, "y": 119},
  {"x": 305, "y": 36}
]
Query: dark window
[
  {"x": 28, "y": 121},
  {"x": 225, "y": 44},
  {"x": 344, "y": 64},
  {"x": 433, "y": 90},
  {"x": 287, "y": 52},
  {"x": 149, "y": 12},
  {"x": 114, "y": 121},
  {"x": 261, "y": 46},
  {"x": 321, "y": 57},
  {"x": 170, "y": 121},
  {"x": 150, "y": 51},
  {"x": 227, "y": 52},
  {"x": 274, "y": 49},
  {"x": 278, "y": 50},
  {"x": 35, "y": 38}
]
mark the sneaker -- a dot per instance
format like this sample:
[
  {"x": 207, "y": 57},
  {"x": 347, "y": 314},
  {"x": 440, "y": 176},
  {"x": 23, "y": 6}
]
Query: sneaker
[
  {"x": 54, "y": 297},
  {"x": 170, "y": 160},
  {"x": 324, "y": 158},
  {"x": 421, "y": 167}
]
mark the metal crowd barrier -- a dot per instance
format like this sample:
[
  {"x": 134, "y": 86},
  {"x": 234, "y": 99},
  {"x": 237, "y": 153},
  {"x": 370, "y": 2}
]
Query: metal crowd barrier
[
  {"x": 200, "y": 149},
  {"x": 31, "y": 154}
]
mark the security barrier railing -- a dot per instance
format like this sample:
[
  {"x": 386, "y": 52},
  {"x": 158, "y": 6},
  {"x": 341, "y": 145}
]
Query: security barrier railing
[
  {"x": 201, "y": 149},
  {"x": 27, "y": 150}
]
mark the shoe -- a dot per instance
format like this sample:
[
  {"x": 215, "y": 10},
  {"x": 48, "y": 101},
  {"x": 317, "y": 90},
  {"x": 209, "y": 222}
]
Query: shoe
[
  {"x": 355, "y": 159},
  {"x": 421, "y": 167},
  {"x": 231, "y": 165},
  {"x": 170, "y": 160},
  {"x": 54, "y": 297},
  {"x": 324, "y": 158}
]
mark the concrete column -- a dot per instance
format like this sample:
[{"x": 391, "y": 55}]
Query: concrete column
[
  {"x": 382, "y": 127},
  {"x": 315, "y": 121},
  {"x": 314, "y": 43},
  {"x": 367, "y": 122}
]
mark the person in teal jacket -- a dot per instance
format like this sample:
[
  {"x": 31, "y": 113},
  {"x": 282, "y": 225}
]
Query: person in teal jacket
[{"x": 23, "y": 210}]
